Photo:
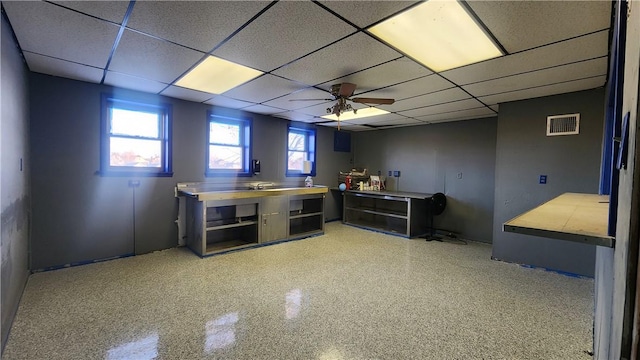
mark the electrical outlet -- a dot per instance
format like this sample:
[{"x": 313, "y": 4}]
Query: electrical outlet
[
  {"x": 390, "y": 173},
  {"x": 134, "y": 183},
  {"x": 543, "y": 179},
  {"x": 396, "y": 173},
  {"x": 459, "y": 175}
]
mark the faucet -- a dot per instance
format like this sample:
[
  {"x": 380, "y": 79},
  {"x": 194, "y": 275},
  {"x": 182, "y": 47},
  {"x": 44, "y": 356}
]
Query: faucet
[{"x": 260, "y": 186}]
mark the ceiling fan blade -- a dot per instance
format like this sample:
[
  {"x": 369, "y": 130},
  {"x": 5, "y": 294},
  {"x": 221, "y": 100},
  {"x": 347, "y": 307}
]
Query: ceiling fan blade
[
  {"x": 347, "y": 89},
  {"x": 310, "y": 99},
  {"x": 373, "y": 101}
]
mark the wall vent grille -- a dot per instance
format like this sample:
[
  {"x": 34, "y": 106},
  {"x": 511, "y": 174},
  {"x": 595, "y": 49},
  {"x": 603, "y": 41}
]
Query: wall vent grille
[{"x": 563, "y": 125}]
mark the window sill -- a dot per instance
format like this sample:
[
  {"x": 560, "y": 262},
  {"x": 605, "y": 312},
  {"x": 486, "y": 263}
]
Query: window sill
[
  {"x": 300, "y": 175},
  {"x": 125, "y": 173},
  {"x": 227, "y": 174}
]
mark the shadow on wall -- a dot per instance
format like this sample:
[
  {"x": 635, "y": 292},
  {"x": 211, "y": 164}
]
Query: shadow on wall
[
  {"x": 458, "y": 218},
  {"x": 15, "y": 263}
]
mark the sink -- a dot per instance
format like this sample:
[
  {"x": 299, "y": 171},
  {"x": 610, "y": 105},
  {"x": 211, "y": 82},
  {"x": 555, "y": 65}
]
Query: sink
[{"x": 262, "y": 186}]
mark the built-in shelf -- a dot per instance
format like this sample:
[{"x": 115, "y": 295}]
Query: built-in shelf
[
  {"x": 215, "y": 226},
  {"x": 231, "y": 225},
  {"x": 403, "y": 214},
  {"x": 378, "y": 212},
  {"x": 227, "y": 245},
  {"x": 306, "y": 215}
]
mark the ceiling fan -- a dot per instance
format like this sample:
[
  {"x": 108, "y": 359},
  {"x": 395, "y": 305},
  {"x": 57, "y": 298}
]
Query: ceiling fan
[{"x": 341, "y": 93}]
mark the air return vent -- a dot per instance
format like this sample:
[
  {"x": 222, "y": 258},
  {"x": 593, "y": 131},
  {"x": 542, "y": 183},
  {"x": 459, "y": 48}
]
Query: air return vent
[{"x": 563, "y": 124}]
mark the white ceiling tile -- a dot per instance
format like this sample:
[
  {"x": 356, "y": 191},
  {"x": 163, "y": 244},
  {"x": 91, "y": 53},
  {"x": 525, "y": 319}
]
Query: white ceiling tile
[
  {"x": 285, "y": 32},
  {"x": 343, "y": 124},
  {"x": 377, "y": 118},
  {"x": 186, "y": 94},
  {"x": 394, "y": 126},
  {"x": 352, "y": 54},
  {"x": 349, "y": 127},
  {"x": 394, "y": 122},
  {"x": 108, "y": 10},
  {"x": 438, "y": 97},
  {"x": 520, "y": 25},
  {"x": 53, "y": 31},
  {"x": 554, "y": 75},
  {"x": 132, "y": 82},
  {"x": 390, "y": 73},
  {"x": 365, "y": 13},
  {"x": 264, "y": 88},
  {"x": 296, "y": 116},
  {"x": 150, "y": 58},
  {"x": 477, "y": 113},
  {"x": 442, "y": 108},
  {"x": 68, "y": 39},
  {"x": 582, "y": 48},
  {"x": 300, "y": 99},
  {"x": 421, "y": 86},
  {"x": 262, "y": 109},
  {"x": 224, "y": 101},
  {"x": 331, "y": 123},
  {"x": 561, "y": 88},
  {"x": 66, "y": 69},
  {"x": 197, "y": 24}
]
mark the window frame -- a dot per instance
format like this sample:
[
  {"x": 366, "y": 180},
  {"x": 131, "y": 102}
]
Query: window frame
[
  {"x": 245, "y": 124},
  {"x": 311, "y": 140},
  {"x": 165, "y": 131}
]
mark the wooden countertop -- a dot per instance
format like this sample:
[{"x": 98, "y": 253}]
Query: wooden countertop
[
  {"x": 571, "y": 216},
  {"x": 245, "y": 194}
]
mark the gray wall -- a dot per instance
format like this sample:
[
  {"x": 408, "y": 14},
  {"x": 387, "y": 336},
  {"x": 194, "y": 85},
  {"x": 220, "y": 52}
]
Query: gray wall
[
  {"x": 80, "y": 216},
  {"x": 429, "y": 158},
  {"x": 572, "y": 164},
  {"x": 15, "y": 192},
  {"x": 616, "y": 325}
]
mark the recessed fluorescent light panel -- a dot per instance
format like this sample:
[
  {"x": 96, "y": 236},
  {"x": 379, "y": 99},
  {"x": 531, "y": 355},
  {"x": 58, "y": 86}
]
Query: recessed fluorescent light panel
[
  {"x": 362, "y": 113},
  {"x": 440, "y": 34},
  {"x": 214, "y": 75}
]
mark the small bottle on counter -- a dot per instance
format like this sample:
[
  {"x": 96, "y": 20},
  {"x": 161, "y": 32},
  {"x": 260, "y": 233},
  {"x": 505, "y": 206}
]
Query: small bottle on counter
[{"x": 308, "y": 182}]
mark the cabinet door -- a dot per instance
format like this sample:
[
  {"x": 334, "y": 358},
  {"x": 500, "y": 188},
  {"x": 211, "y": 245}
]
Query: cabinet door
[
  {"x": 273, "y": 213},
  {"x": 274, "y": 227}
]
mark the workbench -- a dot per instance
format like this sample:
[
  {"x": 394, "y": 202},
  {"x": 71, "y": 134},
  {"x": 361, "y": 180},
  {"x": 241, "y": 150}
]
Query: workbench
[{"x": 573, "y": 217}]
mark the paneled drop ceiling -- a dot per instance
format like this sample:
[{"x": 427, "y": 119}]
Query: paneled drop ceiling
[{"x": 303, "y": 47}]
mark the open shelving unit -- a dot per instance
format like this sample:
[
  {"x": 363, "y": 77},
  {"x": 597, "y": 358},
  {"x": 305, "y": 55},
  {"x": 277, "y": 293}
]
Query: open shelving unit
[
  {"x": 402, "y": 214},
  {"x": 220, "y": 225},
  {"x": 306, "y": 215},
  {"x": 216, "y": 226}
]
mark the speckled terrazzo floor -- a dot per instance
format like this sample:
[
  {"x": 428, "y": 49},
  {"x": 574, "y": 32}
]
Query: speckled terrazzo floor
[{"x": 349, "y": 294}]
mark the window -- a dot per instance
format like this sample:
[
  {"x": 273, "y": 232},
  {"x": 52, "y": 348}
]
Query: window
[
  {"x": 135, "y": 138},
  {"x": 229, "y": 146},
  {"x": 301, "y": 151}
]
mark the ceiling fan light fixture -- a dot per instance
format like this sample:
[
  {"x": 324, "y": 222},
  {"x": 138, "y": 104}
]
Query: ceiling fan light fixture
[
  {"x": 215, "y": 76},
  {"x": 361, "y": 113},
  {"x": 442, "y": 35}
]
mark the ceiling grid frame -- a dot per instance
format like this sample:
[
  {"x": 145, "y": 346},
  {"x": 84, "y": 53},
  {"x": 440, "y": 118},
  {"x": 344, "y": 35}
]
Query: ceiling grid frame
[{"x": 360, "y": 24}]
